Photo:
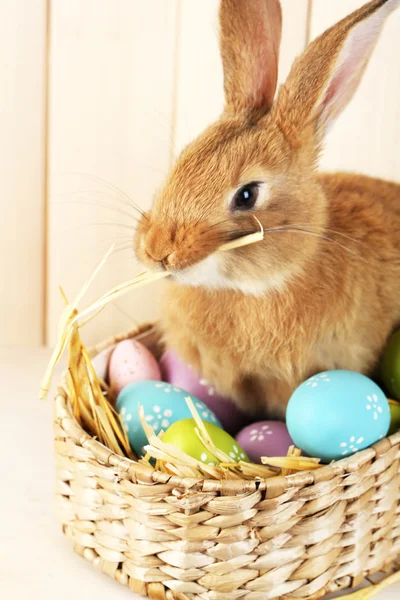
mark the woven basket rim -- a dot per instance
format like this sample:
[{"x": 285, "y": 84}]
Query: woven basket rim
[{"x": 144, "y": 474}]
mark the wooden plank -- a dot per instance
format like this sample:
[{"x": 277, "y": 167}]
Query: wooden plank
[
  {"x": 22, "y": 154},
  {"x": 199, "y": 93},
  {"x": 366, "y": 137},
  {"x": 111, "y": 98}
]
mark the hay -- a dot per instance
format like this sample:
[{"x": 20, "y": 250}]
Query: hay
[{"x": 90, "y": 406}]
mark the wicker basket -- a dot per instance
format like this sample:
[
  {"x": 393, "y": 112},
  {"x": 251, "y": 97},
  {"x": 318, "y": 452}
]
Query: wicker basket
[{"x": 300, "y": 536}]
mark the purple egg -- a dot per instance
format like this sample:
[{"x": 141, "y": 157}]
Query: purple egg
[
  {"x": 265, "y": 438},
  {"x": 175, "y": 371}
]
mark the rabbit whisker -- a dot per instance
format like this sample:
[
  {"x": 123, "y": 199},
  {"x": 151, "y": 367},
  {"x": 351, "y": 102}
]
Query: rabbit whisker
[
  {"x": 122, "y": 194},
  {"x": 232, "y": 235},
  {"x": 312, "y": 233},
  {"x": 104, "y": 224},
  {"x": 109, "y": 195},
  {"x": 348, "y": 237},
  {"x": 89, "y": 203},
  {"x": 121, "y": 249}
]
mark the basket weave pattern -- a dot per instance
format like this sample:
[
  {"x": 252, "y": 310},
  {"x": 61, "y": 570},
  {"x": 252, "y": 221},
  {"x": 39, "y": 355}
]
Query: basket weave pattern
[{"x": 299, "y": 536}]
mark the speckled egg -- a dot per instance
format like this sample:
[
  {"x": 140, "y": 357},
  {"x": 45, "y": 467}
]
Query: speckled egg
[
  {"x": 394, "y": 416},
  {"x": 182, "y": 435},
  {"x": 163, "y": 404},
  {"x": 337, "y": 413},
  {"x": 390, "y": 366},
  {"x": 265, "y": 438},
  {"x": 130, "y": 362},
  {"x": 101, "y": 361},
  {"x": 175, "y": 371}
]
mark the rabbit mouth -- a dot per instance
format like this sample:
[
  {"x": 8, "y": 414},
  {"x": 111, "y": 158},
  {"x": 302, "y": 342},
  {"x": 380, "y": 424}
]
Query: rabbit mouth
[
  {"x": 199, "y": 273},
  {"x": 210, "y": 274}
]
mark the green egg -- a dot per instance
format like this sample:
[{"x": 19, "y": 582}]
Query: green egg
[
  {"x": 394, "y": 417},
  {"x": 390, "y": 365},
  {"x": 182, "y": 435}
]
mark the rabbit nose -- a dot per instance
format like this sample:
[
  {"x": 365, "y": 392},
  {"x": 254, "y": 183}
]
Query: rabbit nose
[
  {"x": 158, "y": 246},
  {"x": 160, "y": 259}
]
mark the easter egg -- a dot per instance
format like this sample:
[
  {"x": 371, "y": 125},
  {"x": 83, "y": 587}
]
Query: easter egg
[
  {"x": 131, "y": 361},
  {"x": 394, "y": 416},
  {"x": 163, "y": 404},
  {"x": 265, "y": 438},
  {"x": 337, "y": 413},
  {"x": 182, "y": 435},
  {"x": 174, "y": 370},
  {"x": 101, "y": 361},
  {"x": 390, "y": 365}
]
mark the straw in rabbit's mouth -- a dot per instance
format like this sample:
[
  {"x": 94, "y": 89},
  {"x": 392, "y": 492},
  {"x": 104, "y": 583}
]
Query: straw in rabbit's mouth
[
  {"x": 236, "y": 235},
  {"x": 226, "y": 241},
  {"x": 205, "y": 272}
]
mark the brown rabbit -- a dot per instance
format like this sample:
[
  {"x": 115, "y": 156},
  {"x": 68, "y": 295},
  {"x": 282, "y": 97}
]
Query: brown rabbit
[{"x": 322, "y": 290}]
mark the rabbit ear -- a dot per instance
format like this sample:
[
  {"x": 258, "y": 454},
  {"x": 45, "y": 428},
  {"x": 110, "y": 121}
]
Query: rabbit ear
[
  {"x": 250, "y": 34},
  {"x": 325, "y": 77}
]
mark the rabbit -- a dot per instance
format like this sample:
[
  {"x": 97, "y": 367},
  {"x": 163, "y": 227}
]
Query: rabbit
[{"x": 321, "y": 291}]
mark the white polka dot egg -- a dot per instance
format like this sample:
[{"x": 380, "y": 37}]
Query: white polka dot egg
[
  {"x": 163, "y": 405},
  {"x": 182, "y": 434},
  {"x": 337, "y": 413},
  {"x": 265, "y": 438}
]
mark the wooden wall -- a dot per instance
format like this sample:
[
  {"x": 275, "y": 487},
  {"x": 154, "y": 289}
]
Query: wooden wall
[
  {"x": 23, "y": 41},
  {"x": 100, "y": 95}
]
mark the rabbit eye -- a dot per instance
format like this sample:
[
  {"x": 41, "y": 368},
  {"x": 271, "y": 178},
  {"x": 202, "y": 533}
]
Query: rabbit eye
[{"x": 246, "y": 197}]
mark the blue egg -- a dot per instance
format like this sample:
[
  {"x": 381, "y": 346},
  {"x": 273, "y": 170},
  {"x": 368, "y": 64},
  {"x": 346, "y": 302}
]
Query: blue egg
[
  {"x": 337, "y": 413},
  {"x": 163, "y": 404}
]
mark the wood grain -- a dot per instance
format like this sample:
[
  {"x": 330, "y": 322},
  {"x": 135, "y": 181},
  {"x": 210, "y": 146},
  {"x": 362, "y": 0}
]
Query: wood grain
[
  {"x": 111, "y": 95},
  {"x": 22, "y": 186},
  {"x": 366, "y": 137}
]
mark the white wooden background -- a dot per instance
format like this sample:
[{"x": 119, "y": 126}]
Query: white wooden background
[{"x": 97, "y": 97}]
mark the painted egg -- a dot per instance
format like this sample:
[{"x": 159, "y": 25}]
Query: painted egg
[
  {"x": 101, "y": 361},
  {"x": 265, "y": 438},
  {"x": 394, "y": 416},
  {"x": 390, "y": 366},
  {"x": 334, "y": 414},
  {"x": 163, "y": 404},
  {"x": 182, "y": 435},
  {"x": 175, "y": 371},
  {"x": 131, "y": 361}
]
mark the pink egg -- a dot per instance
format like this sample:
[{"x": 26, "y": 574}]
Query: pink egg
[
  {"x": 175, "y": 371},
  {"x": 131, "y": 361},
  {"x": 265, "y": 438}
]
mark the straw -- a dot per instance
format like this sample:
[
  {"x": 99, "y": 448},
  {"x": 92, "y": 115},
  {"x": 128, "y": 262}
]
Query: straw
[
  {"x": 90, "y": 406},
  {"x": 297, "y": 463},
  {"x": 64, "y": 327}
]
